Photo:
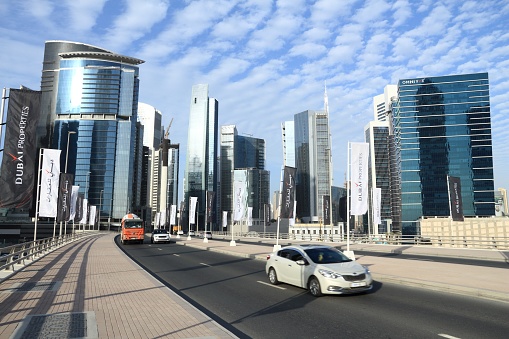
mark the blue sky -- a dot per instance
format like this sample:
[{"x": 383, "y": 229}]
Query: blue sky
[{"x": 267, "y": 60}]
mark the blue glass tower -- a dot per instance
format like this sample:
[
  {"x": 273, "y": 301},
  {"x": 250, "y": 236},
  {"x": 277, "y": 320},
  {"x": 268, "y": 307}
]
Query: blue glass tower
[
  {"x": 94, "y": 93},
  {"x": 442, "y": 127}
]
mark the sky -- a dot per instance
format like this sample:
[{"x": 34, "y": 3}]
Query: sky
[{"x": 266, "y": 60}]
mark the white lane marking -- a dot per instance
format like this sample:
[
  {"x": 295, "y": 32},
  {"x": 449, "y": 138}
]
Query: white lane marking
[
  {"x": 447, "y": 336},
  {"x": 205, "y": 264},
  {"x": 176, "y": 255},
  {"x": 160, "y": 249},
  {"x": 263, "y": 282},
  {"x": 420, "y": 259}
]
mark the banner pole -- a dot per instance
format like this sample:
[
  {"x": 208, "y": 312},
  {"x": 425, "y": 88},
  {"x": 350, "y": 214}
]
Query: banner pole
[
  {"x": 4, "y": 96},
  {"x": 39, "y": 169},
  {"x": 348, "y": 187}
]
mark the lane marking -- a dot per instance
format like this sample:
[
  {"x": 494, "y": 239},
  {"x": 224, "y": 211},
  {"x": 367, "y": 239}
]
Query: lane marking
[
  {"x": 418, "y": 259},
  {"x": 205, "y": 264},
  {"x": 265, "y": 283},
  {"x": 447, "y": 336},
  {"x": 177, "y": 255}
]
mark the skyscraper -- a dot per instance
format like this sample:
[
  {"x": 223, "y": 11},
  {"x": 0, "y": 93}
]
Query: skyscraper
[
  {"x": 200, "y": 172},
  {"x": 94, "y": 92},
  {"x": 442, "y": 127}
]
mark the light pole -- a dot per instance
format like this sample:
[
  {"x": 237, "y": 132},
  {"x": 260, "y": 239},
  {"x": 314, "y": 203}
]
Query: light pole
[
  {"x": 65, "y": 171},
  {"x": 100, "y": 206}
]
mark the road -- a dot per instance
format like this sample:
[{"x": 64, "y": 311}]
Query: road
[{"x": 235, "y": 292}]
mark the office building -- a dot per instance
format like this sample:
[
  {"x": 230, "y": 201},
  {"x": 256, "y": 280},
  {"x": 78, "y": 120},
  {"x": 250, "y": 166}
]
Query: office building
[
  {"x": 94, "y": 93},
  {"x": 442, "y": 127},
  {"x": 200, "y": 174}
]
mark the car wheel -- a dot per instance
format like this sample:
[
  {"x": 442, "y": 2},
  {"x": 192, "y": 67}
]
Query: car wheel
[
  {"x": 273, "y": 276},
  {"x": 314, "y": 287}
]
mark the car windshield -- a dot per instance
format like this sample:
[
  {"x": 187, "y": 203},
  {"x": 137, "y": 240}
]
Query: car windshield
[
  {"x": 160, "y": 231},
  {"x": 324, "y": 255},
  {"x": 133, "y": 224}
]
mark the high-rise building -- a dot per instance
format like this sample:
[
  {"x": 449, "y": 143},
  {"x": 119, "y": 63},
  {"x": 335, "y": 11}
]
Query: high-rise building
[
  {"x": 243, "y": 159},
  {"x": 442, "y": 127},
  {"x": 200, "y": 174},
  {"x": 313, "y": 163},
  {"x": 382, "y": 104},
  {"x": 94, "y": 93}
]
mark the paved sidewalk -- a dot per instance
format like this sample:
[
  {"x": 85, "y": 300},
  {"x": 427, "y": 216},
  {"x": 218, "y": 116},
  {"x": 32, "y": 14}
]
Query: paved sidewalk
[
  {"x": 90, "y": 289},
  {"x": 480, "y": 281}
]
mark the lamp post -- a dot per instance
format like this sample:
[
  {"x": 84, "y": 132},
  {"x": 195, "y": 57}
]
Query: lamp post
[
  {"x": 100, "y": 206},
  {"x": 65, "y": 171}
]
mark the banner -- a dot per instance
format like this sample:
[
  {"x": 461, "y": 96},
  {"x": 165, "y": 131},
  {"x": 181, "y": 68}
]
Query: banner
[
  {"x": 173, "y": 215},
  {"x": 91, "y": 221},
  {"x": 158, "y": 220},
  {"x": 291, "y": 221},
  {"x": 20, "y": 153},
  {"x": 210, "y": 204},
  {"x": 455, "y": 201},
  {"x": 162, "y": 220},
  {"x": 64, "y": 197},
  {"x": 326, "y": 209},
  {"x": 74, "y": 199},
  {"x": 239, "y": 200},
  {"x": 377, "y": 205},
  {"x": 50, "y": 172},
  {"x": 288, "y": 193},
  {"x": 79, "y": 208},
  {"x": 225, "y": 218},
  {"x": 266, "y": 207},
  {"x": 250, "y": 216},
  {"x": 192, "y": 209},
  {"x": 84, "y": 215},
  {"x": 359, "y": 178}
]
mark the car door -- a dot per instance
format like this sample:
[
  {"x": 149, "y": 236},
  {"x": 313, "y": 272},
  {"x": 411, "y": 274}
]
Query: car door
[
  {"x": 295, "y": 271},
  {"x": 288, "y": 271}
]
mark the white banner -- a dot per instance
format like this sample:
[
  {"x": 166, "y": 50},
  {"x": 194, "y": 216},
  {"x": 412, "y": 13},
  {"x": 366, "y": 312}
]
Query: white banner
[
  {"x": 74, "y": 197},
  {"x": 85, "y": 212},
  {"x": 91, "y": 221},
  {"x": 173, "y": 215},
  {"x": 291, "y": 221},
  {"x": 377, "y": 205},
  {"x": 192, "y": 209},
  {"x": 250, "y": 216},
  {"x": 157, "y": 221},
  {"x": 49, "y": 183},
  {"x": 162, "y": 220},
  {"x": 359, "y": 178},
  {"x": 225, "y": 218},
  {"x": 239, "y": 200}
]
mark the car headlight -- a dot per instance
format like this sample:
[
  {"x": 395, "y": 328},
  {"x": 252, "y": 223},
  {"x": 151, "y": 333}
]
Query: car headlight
[
  {"x": 329, "y": 274},
  {"x": 366, "y": 270}
]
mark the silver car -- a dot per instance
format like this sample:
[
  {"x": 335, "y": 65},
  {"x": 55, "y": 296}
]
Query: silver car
[
  {"x": 321, "y": 269},
  {"x": 159, "y": 235}
]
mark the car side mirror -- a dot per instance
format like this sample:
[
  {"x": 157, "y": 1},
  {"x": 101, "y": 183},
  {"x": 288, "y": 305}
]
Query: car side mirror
[{"x": 302, "y": 262}]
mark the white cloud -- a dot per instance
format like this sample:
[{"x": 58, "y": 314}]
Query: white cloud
[{"x": 83, "y": 14}]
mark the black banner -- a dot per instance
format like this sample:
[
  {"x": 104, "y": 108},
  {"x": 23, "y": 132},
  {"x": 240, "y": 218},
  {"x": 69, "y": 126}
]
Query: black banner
[
  {"x": 455, "y": 198},
  {"x": 64, "y": 197},
  {"x": 210, "y": 204},
  {"x": 79, "y": 208},
  {"x": 19, "y": 158},
  {"x": 266, "y": 213},
  {"x": 326, "y": 209},
  {"x": 288, "y": 194}
]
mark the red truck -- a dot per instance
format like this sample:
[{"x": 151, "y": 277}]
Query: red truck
[{"x": 133, "y": 229}]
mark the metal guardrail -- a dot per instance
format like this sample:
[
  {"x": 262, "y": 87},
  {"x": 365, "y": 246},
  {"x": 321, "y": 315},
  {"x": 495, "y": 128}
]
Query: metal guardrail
[
  {"x": 15, "y": 257},
  {"x": 474, "y": 242}
]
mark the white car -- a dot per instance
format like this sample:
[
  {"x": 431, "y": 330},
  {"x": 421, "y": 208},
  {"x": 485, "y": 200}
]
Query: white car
[
  {"x": 159, "y": 235},
  {"x": 321, "y": 269}
]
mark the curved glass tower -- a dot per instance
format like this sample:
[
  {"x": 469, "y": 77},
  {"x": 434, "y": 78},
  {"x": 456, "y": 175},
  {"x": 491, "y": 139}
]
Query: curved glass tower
[{"x": 91, "y": 96}]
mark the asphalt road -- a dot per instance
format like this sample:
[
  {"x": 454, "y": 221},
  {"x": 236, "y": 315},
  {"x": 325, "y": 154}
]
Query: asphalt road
[{"x": 235, "y": 292}]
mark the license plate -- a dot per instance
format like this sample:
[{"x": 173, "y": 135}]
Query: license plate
[{"x": 358, "y": 284}]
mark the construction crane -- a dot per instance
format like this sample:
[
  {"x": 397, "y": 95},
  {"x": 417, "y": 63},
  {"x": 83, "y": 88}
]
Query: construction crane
[{"x": 167, "y": 132}]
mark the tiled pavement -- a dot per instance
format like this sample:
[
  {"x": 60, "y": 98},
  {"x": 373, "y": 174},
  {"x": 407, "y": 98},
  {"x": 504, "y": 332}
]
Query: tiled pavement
[{"x": 91, "y": 289}]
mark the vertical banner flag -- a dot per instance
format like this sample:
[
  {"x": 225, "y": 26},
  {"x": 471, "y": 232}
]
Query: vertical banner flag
[
  {"x": 377, "y": 205},
  {"x": 173, "y": 215},
  {"x": 288, "y": 193},
  {"x": 225, "y": 218},
  {"x": 79, "y": 208},
  {"x": 64, "y": 197},
  {"x": 74, "y": 199},
  {"x": 192, "y": 209},
  {"x": 162, "y": 219},
  {"x": 455, "y": 201},
  {"x": 210, "y": 204},
  {"x": 326, "y": 209},
  {"x": 20, "y": 153},
  {"x": 84, "y": 214},
  {"x": 359, "y": 178},
  {"x": 91, "y": 221},
  {"x": 50, "y": 172},
  {"x": 157, "y": 221},
  {"x": 267, "y": 213},
  {"x": 250, "y": 216},
  {"x": 291, "y": 221},
  {"x": 239, "y": 201}
]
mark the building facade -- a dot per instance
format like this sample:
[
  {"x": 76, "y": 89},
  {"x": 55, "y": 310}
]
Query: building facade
[
  {"x": 442, "y": 127},
  {"x": 93, "y": 93}
]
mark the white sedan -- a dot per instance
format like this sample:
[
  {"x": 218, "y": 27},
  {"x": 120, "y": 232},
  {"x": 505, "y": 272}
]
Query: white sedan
[
  {"x": 159, "y": 235},
  {"x": 321, "y": 269}
]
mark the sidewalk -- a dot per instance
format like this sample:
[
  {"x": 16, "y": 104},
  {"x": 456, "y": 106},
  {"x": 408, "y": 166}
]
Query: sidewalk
[
  {"x": 480, "y": 281},
  {"x": 90, "y": 289}
]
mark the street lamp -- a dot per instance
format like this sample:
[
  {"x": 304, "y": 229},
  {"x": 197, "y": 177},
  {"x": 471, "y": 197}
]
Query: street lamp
[{"x": 100, "y": 206}]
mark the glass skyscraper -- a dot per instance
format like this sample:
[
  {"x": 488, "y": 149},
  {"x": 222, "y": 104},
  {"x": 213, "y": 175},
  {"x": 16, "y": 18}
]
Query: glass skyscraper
[
  {"x": 94, "y": 93},
  {"x": 442, "y": 127},
  {"x": 201, "y": 156}
]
